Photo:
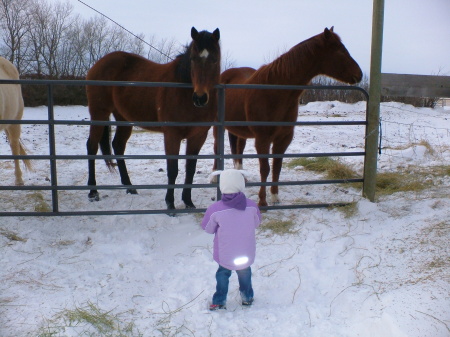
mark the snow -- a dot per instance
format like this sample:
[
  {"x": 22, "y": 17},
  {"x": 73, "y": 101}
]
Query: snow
[{"x": 382, "y": 271}]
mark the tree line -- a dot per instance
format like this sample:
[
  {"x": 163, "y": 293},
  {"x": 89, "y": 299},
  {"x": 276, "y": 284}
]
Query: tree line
[{"x": 47, "y": 40}]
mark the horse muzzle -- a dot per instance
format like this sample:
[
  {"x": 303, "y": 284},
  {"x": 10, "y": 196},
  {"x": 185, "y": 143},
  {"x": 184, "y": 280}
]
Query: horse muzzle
[
  {"x": 357, "y": 78},
  {"x": 200, "y": 100}
]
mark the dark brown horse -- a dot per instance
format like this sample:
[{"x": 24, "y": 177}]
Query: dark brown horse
[
  {"x": 199, "y": 65},
  {"x": 323, "y": 54}
]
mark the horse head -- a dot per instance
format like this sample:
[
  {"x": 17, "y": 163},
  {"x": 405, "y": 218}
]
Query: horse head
[
  {"x": 337, "y": 62},
  {"x": 205, "y": 64}
]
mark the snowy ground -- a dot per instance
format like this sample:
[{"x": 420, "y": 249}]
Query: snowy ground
[{"x": 383, "y": 271}]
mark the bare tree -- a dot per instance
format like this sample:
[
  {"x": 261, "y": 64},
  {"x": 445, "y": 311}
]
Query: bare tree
[
  {"x": 39, "y": 21},
  {"x": 227, "y": 61},
  {"x": 161, "y": 51},
  {"x": 136, "y": 44},
  {"x": 14, "y": 26},
  {"x": 48, "y": 26},
  {"x": 45, "y": 39}
]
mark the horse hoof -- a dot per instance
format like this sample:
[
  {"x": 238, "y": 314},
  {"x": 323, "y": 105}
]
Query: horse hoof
[
  {"x": 94, "y": 196},
  {"x": 262, "y": 203},
  {"x": 132, "y": 191},
  {"x": 275, "y": 199},
  {"x": 170, "y": 213},
  {"x": 170, "y": 206}
]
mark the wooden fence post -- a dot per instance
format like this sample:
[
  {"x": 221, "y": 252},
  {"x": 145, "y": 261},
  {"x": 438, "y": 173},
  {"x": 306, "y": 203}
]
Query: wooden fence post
[{"x": 373, "y": 118}]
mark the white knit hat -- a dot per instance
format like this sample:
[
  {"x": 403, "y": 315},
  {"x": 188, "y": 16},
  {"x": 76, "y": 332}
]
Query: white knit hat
[{"x": 231, "y": 181}]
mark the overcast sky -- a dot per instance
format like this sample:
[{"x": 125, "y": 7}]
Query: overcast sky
[{"x": 253, "y": 32}]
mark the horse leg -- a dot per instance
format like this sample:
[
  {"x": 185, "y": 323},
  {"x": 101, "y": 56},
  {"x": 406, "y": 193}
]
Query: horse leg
[
  {"x": 119, "y": 143},
  {"x": 13, "y": 135},
  {"x": 95, "y": 134},
  {"x": 279, "y": 146},
  {"x": 262, "y": 146},
  {"x": 105, "y": 146},
  {"x": 172, "y": 147},
  {"x": 237, "y": 145},
  {"x": 193, "y": 147}
]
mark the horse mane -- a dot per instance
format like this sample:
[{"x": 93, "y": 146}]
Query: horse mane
[
  {"x": 298, "y": 56},
  {"x": 183, "y": 70}
]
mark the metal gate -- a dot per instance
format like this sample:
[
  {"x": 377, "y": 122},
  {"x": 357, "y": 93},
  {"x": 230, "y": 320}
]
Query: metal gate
[{"x": 53, "y": 157}]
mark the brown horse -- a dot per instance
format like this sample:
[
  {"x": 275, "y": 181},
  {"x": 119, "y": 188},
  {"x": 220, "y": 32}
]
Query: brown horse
[
  {"x": 199, "y": 65},
  {"x": 323, "y": 54}
]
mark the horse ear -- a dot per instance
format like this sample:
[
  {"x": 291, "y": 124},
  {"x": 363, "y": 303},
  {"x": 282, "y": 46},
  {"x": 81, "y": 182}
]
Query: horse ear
[
  {"x": 328, "y": 32},
  {"x": 194, "y": 33},
  {"x": 332, "y": 29},
  {"x": 216, "y": 34}
]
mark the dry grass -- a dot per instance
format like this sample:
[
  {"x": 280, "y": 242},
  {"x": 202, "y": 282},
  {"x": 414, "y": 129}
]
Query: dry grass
[
  {"x": 40, "y": 205},
  {"x": 279, "y": 226},
  {"x": 88, "y": 320},
  {"x": 411, "y": 179},
  {"x": 11, "y": 236},
  {"x": 332, "y": 168},
  {"x": 348, "y": 210},
  {"x": 429, "y": 148}
]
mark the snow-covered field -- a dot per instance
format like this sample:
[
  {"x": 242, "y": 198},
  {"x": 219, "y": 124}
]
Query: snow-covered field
[{"x": 382, "y": 271}]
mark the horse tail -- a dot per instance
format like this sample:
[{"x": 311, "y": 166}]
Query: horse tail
[
  {"x": 23, "y": 152},
  {"x": 105, "y": 146}
]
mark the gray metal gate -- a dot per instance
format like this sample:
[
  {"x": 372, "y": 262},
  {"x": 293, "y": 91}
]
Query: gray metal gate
[{"x": 53, "y": 157}]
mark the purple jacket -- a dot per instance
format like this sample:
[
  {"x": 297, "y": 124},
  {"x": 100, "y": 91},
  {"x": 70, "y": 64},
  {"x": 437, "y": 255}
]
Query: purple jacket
[{"x": 234, "y": 229}]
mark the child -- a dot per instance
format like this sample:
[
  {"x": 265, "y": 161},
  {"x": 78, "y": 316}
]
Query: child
[{"x": 233, "y": 221}]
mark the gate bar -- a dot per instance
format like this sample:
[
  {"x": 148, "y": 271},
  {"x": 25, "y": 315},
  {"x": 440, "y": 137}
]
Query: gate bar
[{"x": 221, "y": 156}]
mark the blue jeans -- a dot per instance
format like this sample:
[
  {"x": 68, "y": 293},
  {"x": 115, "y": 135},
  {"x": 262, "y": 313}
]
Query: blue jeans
[{"x": 245, "y": 285}]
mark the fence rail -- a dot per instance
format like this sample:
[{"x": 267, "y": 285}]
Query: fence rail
[{"x": 221, "y": 156}]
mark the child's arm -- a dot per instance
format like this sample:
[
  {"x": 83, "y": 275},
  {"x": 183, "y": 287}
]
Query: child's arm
[
  {"x": 208, "y": 224},
  {"x": 258, "y": 217}
]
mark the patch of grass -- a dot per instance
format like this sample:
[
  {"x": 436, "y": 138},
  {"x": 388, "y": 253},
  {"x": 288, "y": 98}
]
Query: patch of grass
[
  {"x": 442, "y": 170},
  {"x": 349, "y": 210},
  {"x": 310, "y": 164},
  {"x": 279, "y": 227},
  {"x": 439, "y": 262},
  {"x": 88, "y": 320},
  {"x": 40, "y": 205},
  {"x": 332, "y": 168},
  {"x": 429, "y": 148},
  {"x": 62, "y": 243},
  {"x": 412, "y": 179},
  {"x": 92, "y": 315},
  {"x": 11, "y": 236}
]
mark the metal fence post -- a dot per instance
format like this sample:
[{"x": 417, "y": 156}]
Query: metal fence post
[
  {"x": 220, "y": 133},
  {"x": 52, "y": 149}
]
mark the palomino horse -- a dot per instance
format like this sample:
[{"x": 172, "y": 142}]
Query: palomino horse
[
  {"x": 199, "y": 65},
  {"x": 323, "y": 54},
  {"x": 11, "y": 107}
]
